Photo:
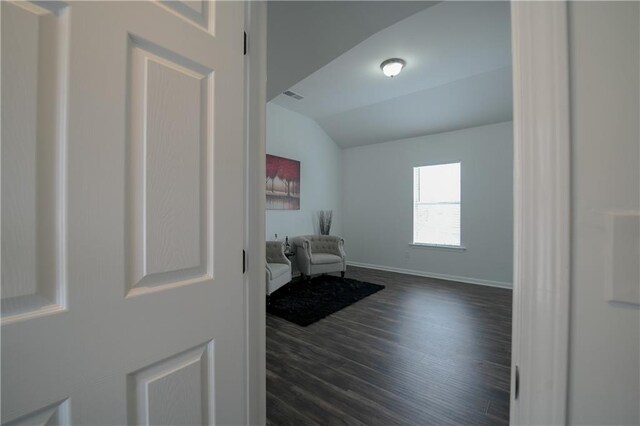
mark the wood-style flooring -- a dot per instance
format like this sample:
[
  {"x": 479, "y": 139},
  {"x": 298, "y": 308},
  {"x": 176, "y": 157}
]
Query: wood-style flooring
[{"x": 422, "y": 351}]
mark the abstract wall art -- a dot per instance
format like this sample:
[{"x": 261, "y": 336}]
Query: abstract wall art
[{"x": 283, "y": 183}]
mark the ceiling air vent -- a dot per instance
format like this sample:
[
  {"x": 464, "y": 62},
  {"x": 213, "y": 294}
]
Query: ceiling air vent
[{"x": 293, "y": 95}]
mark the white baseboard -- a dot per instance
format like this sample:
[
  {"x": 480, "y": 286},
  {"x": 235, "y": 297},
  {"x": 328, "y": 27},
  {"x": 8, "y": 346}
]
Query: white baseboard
[{"x": 467, "y": 280}]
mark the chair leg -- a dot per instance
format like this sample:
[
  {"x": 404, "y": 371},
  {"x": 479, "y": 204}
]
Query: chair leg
[{"x": 342, "y": 274}]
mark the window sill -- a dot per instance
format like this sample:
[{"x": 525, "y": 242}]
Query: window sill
[{"x": 436, "y": 246}]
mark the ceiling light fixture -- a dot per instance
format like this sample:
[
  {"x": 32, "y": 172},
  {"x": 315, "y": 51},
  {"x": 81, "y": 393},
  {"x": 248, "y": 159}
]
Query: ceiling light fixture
[{"x": 392, "y": 67}]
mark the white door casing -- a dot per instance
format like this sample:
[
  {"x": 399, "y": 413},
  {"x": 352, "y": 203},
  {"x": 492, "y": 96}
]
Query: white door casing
[
  {"x": 122, "y": 226},
  {"x": 255, "y": 107},
  {"x": 542, "y": 166}
]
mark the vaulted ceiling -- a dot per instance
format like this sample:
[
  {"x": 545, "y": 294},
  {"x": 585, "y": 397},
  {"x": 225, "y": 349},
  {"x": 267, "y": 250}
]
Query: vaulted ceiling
[
  {"x": 458, "y": 75},
  {"x": 303, "y": 36}
]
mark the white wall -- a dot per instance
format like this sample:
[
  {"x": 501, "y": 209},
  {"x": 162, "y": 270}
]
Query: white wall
[
  {"x": 604, "y": 375},
  {"x": 378, "y": 198},
  {"x": 294, "y": 136}
]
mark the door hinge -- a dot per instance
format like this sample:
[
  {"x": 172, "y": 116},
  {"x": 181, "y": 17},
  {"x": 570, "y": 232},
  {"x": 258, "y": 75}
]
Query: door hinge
[
  {"x": 516, "y": 390},
  {"x": 245, "y": 42},
  {"x": 244, "y": 261}
]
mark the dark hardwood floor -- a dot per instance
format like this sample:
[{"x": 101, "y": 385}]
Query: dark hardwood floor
[{"x": 422, "y": 351}]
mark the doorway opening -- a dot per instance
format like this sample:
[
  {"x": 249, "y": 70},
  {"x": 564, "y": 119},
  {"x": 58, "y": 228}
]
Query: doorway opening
[{"x": 344, "y": 142}]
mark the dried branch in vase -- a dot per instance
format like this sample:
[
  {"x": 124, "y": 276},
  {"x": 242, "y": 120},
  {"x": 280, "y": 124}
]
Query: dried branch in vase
[{"x": 325, "y": 217}]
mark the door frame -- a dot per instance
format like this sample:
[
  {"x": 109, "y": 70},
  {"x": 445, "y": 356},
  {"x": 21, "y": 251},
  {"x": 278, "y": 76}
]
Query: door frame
[
  {"x": 255, "y": 196},
  {"x": 542, "y": 170}
]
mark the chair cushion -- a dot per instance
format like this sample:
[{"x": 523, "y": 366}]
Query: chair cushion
[
  {"x": 325, "y": 258},
  {"x": 278, "y": 269}
]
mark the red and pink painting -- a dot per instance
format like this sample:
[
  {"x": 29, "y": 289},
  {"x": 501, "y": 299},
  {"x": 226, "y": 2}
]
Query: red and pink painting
[{"x": 283, "y": 183}]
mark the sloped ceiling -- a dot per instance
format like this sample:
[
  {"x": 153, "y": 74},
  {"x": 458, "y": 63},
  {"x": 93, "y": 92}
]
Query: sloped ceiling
[
  {"x": 458, "y": 75},
  {"x": 303, "y": 36}
]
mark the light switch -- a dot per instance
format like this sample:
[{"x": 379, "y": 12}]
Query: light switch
[{"x": 623, "y": 257}]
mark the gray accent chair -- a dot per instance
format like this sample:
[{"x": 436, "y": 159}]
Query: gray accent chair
[
  {"x": 320, "y": 254},
  {"x": 278, "y": 266}
]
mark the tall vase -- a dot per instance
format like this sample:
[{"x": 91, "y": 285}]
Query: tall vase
[{"x": 324, "y": 221}]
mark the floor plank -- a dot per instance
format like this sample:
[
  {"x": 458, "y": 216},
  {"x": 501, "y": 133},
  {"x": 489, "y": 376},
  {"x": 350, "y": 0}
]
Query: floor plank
[{"x": 422, "y": 351}]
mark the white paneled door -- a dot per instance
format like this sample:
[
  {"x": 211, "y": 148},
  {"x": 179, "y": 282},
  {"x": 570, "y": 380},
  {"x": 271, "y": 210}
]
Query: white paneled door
[{"x": 122, "y": 213}]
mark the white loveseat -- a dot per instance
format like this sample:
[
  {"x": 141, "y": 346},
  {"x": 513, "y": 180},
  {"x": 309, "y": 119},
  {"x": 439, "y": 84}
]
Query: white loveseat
[
  {"x": 320, "y": 254},
  {"x": 278, "y": 266}
]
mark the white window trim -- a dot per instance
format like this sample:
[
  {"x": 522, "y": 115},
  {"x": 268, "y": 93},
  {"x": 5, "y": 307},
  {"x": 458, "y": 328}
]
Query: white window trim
[
  {"x": 413, "y": 211},
  {"x": 438, "y": 246}
]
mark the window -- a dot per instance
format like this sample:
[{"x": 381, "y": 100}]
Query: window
[{"x": 436, "y": 205}]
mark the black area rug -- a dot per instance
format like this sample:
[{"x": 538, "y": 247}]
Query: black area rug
[{"x": 304, "y": 303}]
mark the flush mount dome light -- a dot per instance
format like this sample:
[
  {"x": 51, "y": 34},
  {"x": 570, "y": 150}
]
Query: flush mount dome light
[{"x": 392, "y": 67}]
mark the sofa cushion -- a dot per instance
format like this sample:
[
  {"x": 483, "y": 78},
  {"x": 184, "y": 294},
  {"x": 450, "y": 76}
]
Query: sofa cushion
[
  {"x": 325, "y": 258},
  {"x": 277, "y": 269}
]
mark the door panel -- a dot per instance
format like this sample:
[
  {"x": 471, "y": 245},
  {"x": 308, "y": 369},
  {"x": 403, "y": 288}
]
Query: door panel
[
  {"x": 34, "y": 70},
  {"x": 169, "y": 191},
  {"x": 189, "y": 376},
  {"x": 143, "y": 230},
  {"x": 53, "y": 415},
  {"x": 198, "y": 12}
]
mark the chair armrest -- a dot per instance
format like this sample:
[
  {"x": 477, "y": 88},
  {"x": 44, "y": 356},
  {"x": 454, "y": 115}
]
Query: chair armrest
[
  {"x": 269, "y": 271},
  {"x": 334, "y": 245},
  {"x": 275, "y": 253},
  {"x": 302, "y": 243},
  {"x": 341, "y": 247}
]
